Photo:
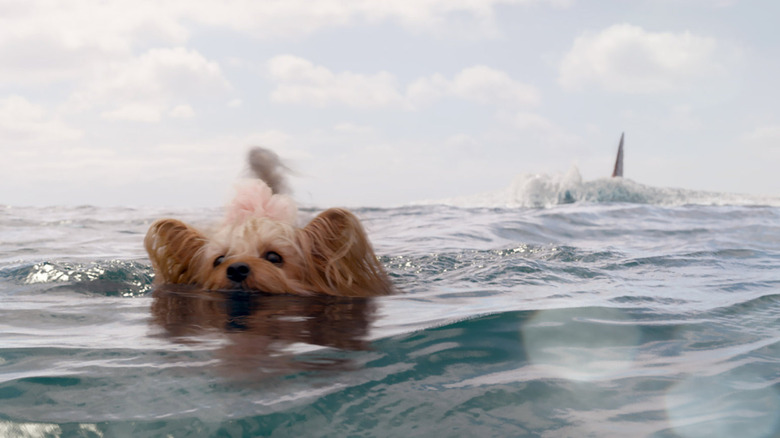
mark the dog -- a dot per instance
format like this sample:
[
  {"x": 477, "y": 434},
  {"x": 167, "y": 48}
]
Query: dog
[{"x": 259, "y": 247}]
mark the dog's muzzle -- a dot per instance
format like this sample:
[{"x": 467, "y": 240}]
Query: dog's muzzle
[{"x": 238, "y": 272}]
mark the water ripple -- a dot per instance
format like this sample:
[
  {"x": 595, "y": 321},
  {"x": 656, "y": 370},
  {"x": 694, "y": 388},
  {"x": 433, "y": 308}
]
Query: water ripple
[{"x": 111, "y": 277}]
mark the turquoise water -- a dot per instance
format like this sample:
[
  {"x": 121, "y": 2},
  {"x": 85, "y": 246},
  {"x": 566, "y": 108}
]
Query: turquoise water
[{"x": 631, "y": 311}]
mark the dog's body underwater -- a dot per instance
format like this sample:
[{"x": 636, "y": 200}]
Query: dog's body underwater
[{"x": 259, "y": 247}]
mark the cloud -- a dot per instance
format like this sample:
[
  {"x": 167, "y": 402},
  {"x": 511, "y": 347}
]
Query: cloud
[
  {"x": 135, "y": 112},
  {"x": 626, "y": 58},
  {"x": 42, "y": 41},
  {"x": 684, "y": 117},
  {"x": 86, "y": 41},
  {"x": 352, "y": 129},
  {"x": 479, "y": 84},
  {"x": 545, "y": 136},
  {"x": 302, "y": 82},
  {"x": 299, "y": 81},
  {"x": 23, "y": 122},
  {"x": 764, "y": 137},
  {"x": 105, "y": 25},
  {"x": 199, "y": 170},
  {"x": 144, "y": 88},
  {"x": 533, "y": 122},
  {"x": 293, "y": 18},
  {"x": 47, "y": 40},
  {"x": 182, "y": 112}
]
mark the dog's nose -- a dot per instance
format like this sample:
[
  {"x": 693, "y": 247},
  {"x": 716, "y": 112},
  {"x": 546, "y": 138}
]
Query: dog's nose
[{"x": 238, "y": 272}]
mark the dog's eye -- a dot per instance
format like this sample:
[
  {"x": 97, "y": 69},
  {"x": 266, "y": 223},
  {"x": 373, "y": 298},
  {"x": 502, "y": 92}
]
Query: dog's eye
[
  {"x": 218, "y": 261},
  {"x": 273, "y": 257}
]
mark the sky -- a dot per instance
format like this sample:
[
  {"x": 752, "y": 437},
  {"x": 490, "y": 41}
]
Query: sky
[{"x": 382, "y": 103}]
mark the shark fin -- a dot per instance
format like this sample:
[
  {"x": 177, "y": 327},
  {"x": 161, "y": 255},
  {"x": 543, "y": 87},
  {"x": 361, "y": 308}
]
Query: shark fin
[{"x": 619, "y": 160}]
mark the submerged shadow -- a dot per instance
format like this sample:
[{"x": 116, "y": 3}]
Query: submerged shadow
[{"x": 259, "y": 329}]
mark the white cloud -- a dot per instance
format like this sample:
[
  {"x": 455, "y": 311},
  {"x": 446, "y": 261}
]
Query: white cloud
[
  {"x": 135, "y": 112},
  {"x": 486, "y": 85},
  {"x": 299, "y": 81},
  {"x": 287, "y": 18},
  {"x": 538, "y": 130},
  {"x": 182, "y": 112},
  {"x": 530, "y": 122},
  {"x": 148, "y": 112},
  {"x": 627, "y": 58},
  {"x": 767, "y": 136},
  {"x": 479, "y": 84},
  {"x": 156, "y": 72},
  {"x": 759, "y": 150},
  {"x": 104, "y": 25},
  {"x": 21, "y": 121},
  {"x": 231, "y": 148},
  {"x": 272, "y": 138},
  {"x": 352, "y": 129},
  {"x": 684, "y": 117},
  {"x": 144, "y": 88},
  {"x": 46, "y": 40}
]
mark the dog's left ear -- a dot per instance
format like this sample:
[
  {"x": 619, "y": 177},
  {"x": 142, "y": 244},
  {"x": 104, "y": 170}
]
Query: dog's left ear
[
  {"x": 174, "y": 249},
  {"x": 340, "y": 260}
]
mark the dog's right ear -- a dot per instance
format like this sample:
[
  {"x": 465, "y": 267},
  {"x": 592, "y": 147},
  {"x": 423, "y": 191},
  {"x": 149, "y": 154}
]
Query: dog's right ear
[{"x": 174, "y": 249}]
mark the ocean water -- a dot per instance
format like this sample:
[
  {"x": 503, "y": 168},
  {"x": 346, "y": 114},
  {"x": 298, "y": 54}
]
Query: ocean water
[{"x": 552, "y": 308}]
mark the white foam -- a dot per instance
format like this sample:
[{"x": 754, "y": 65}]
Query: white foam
[{"x": 548, "y": 190}]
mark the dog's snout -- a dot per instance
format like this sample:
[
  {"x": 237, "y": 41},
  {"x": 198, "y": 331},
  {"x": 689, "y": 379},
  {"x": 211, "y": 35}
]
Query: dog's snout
[{"x": 238, "y": 272}]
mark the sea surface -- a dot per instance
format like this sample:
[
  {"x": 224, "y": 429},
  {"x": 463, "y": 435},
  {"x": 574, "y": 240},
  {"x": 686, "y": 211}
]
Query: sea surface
[{"x": 552, "y": 308}]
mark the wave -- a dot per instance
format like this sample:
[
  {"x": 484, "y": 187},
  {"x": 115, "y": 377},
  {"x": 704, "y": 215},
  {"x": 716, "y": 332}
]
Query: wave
[
  {"x": 107, "y": 277},
  {"x": 548, "y": 190}
]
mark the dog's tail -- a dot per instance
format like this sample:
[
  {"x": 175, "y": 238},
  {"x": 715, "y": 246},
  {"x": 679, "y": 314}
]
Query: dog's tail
[{"x": 267, "y": 166}]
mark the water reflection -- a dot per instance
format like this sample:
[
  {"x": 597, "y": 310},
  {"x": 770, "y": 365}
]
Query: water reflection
[
  {"x": 582, "y": 344},
  {"x": 731, "y": 404},
  {"x": 260, "y": 332}
]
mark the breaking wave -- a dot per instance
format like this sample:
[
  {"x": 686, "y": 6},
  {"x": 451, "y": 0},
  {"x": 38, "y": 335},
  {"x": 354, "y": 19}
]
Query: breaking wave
[{"x": 548, "y": 190}]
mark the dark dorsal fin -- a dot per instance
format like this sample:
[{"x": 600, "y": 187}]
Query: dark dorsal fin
[{"x": 619, "y": 160}]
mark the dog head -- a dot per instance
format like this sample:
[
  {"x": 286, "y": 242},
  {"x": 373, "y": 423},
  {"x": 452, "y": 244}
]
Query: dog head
[{"x": 258, "y": 248}]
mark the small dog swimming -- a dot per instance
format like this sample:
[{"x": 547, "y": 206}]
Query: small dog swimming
[{"x": 258, "y": 246}]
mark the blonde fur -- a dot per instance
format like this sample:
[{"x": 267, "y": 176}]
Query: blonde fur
[{"x": 331, "y": 255}]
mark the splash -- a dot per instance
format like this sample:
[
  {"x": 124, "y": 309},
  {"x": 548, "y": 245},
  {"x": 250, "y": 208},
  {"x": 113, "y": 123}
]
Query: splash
[{"x": 548, "y": 190}]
